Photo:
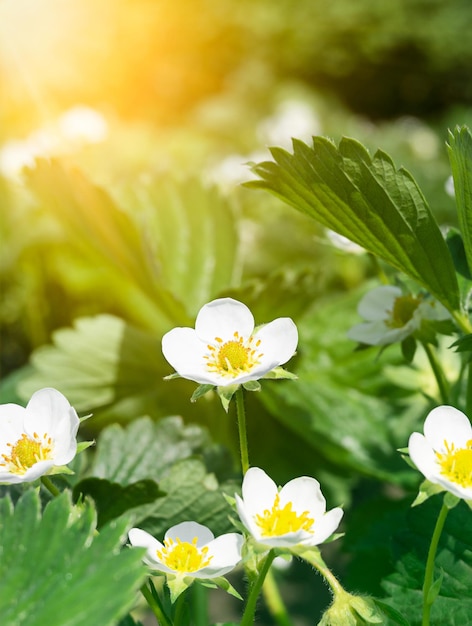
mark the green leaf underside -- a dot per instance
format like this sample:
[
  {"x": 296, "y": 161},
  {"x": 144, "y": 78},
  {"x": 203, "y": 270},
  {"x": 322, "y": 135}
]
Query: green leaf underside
[
  {"x": 367, "y": 200},
  {"x": 56, "y": 572},
  {"x": 460, "y": 156}
]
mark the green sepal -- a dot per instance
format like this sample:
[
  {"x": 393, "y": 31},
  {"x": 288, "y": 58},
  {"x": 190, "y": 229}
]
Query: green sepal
[
  {"x": 85, "y": 417},
  {"x": 435, "y": 589},
  {"x": 200, "y": 391},
  {"x": 392, "y": 613},
  {"x": 60, "y": 469},
  {"x": 172, "y": 376},
  {"x": 280, "y": 372},
  {"x": 222, "y": 583},
  {"x": 426, "y": 490},
  {"x": 469, "y": 503},
  {"x": 252, "y": 385},
  {"x": 225, "y": 394},
  {"x": 450, "y": 500},
  {"x": 83, "y": 445},
  {"x": 177, "y": 585}
]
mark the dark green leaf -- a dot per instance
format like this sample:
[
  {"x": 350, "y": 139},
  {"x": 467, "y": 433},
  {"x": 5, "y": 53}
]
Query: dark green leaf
[
  {"x": 55, "y": 571},
  {"x": 112, "y": 499},
  {"x": 368, "y": 201}
]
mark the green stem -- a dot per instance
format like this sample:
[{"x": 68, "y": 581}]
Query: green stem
[
  {"x": 438, "y": 372},
  {"x": 241, "y": 414},
  {"x": 155, "y": 605},
  {"x": 315, "y": 559},
  {"x": 249, "y": 611},
  {"x": 179, "y": 610},
  {"x": 50, "y": 486},
  {"x": 200, "y": 604},
  {"x": 429, "y": 573},
  {"x": 274, "y": 600}
]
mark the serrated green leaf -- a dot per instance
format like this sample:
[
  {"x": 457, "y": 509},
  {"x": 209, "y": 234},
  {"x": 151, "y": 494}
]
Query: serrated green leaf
[
  {"x": 55, "y": 571},
  {"x": 112, "y": 499},
  {"x": 453, "y": 605},
  {"x": 101, "y": 361},
  {"x": 191, "y": 494},
  {"x": 367, "y": 200},
  {"x": 460, "y": 156},
  {"x": 145, "y": 449}
]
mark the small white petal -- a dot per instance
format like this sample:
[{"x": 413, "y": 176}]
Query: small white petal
[
  {"x": 258, "y": 491},
  {"x": 423, "y": 456},
  {"x": 305, "y": 495},
  {"x": 187, "y": 531},
  {"x": 46, "y": 408},
  {"x": 225, "y": 551},
  {"x": 446, "y": 423},
  {"x": 325, "y": 526},
  {"x": 222, "y": 318},
  {"x": 375, "y": 304},
  {"x": 141, "y": 539},
  {"x": 279, "y": 341},
  {"x": 185, "y": 352}
]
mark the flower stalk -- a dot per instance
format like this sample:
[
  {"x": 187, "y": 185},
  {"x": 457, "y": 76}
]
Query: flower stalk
[
  {"x": 249, "y": 611},
  {"x": 429, "y": 572},
  {"x": 241, "y": 416}
]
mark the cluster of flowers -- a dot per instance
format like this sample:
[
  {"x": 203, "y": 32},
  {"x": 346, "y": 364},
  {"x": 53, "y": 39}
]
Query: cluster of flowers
[{"x": 225, "y": 350}]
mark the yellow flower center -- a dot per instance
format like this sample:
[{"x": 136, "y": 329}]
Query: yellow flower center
[
  {"x": 277, "y": 521},
  {"x": 233, "y": 357},
  {"x": 26, "y": 452},
  {"x": 403, "y": 310},
  {"x": 456, "y": 464},
  {"x": 182, "y": 556}
]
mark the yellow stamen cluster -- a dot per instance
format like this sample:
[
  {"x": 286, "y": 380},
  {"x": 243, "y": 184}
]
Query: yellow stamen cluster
[
  {"x": 26, "y": 452},
  {"x": 233, "y": 357},
  {"x": 182, "y": 556},
  {"x": 277, "y": 521},
  {"x": 403, "y": 310},
  {"x": 456, "y": 463}
]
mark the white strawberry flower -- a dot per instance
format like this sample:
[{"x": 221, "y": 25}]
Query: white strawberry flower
[
  {"x": 444, "y": 453},
  {"x": 38, "y": 439},
  {"x": 225, "y": 348},
  {"x": 293, "y": 516},
  {"x": 392, "y": 316}
]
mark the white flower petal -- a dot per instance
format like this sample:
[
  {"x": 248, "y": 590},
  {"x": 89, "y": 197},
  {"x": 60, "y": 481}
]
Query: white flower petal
[
  {"x": 376, "y": 303},
  {"x": 423, "y": 456},
  {"x": 379, "y": 334},
  {"x": 258, "y": 491},
  {"x": 446, "y": 423},
  {"x": 187, "y": 531},
  {"x": 11, "y": 425},
  {"x": 222, "y": 318},
  {"x": 305, "y": 495},
  {"x": 432, "y": 310},
  {"x": 45, "y": 410},
  {"x": 325, "y": 526},
  {"x": 185, "y": 352},
  {"x": 279, "y": 341},
  {"x": 141, "y": 539},
  {"x": 225, "y": 551}
]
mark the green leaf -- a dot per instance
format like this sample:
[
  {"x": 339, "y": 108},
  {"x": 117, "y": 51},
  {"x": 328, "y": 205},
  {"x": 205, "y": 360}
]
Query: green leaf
[
  {"x": 194, "y": 238},
  {"x": 453, "y": 605},
  {"x": 145, "y": 449},
  {"x": 392, "y": 613},
  {"x": 191, "y": 494},
  {"x": 102, "y": 231},
  {"x": 367, "y": 200},
  {"x": 112, "y": 499},
  {"x": 460, "y": 156},
  {"x": 56, "y": 571},
  {"x": 100, "y": 362}
]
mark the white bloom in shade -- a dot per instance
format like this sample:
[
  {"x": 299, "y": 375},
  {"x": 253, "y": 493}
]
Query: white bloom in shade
[
  {"x": 392, "y": 316},
  {"x": 444, "y": 453},
  {"x": 36, "y": 439},
  {"x": 190, "y": 549},
  {"x": 225, "y": 349},
  {"x": 294, "y": 516}
]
